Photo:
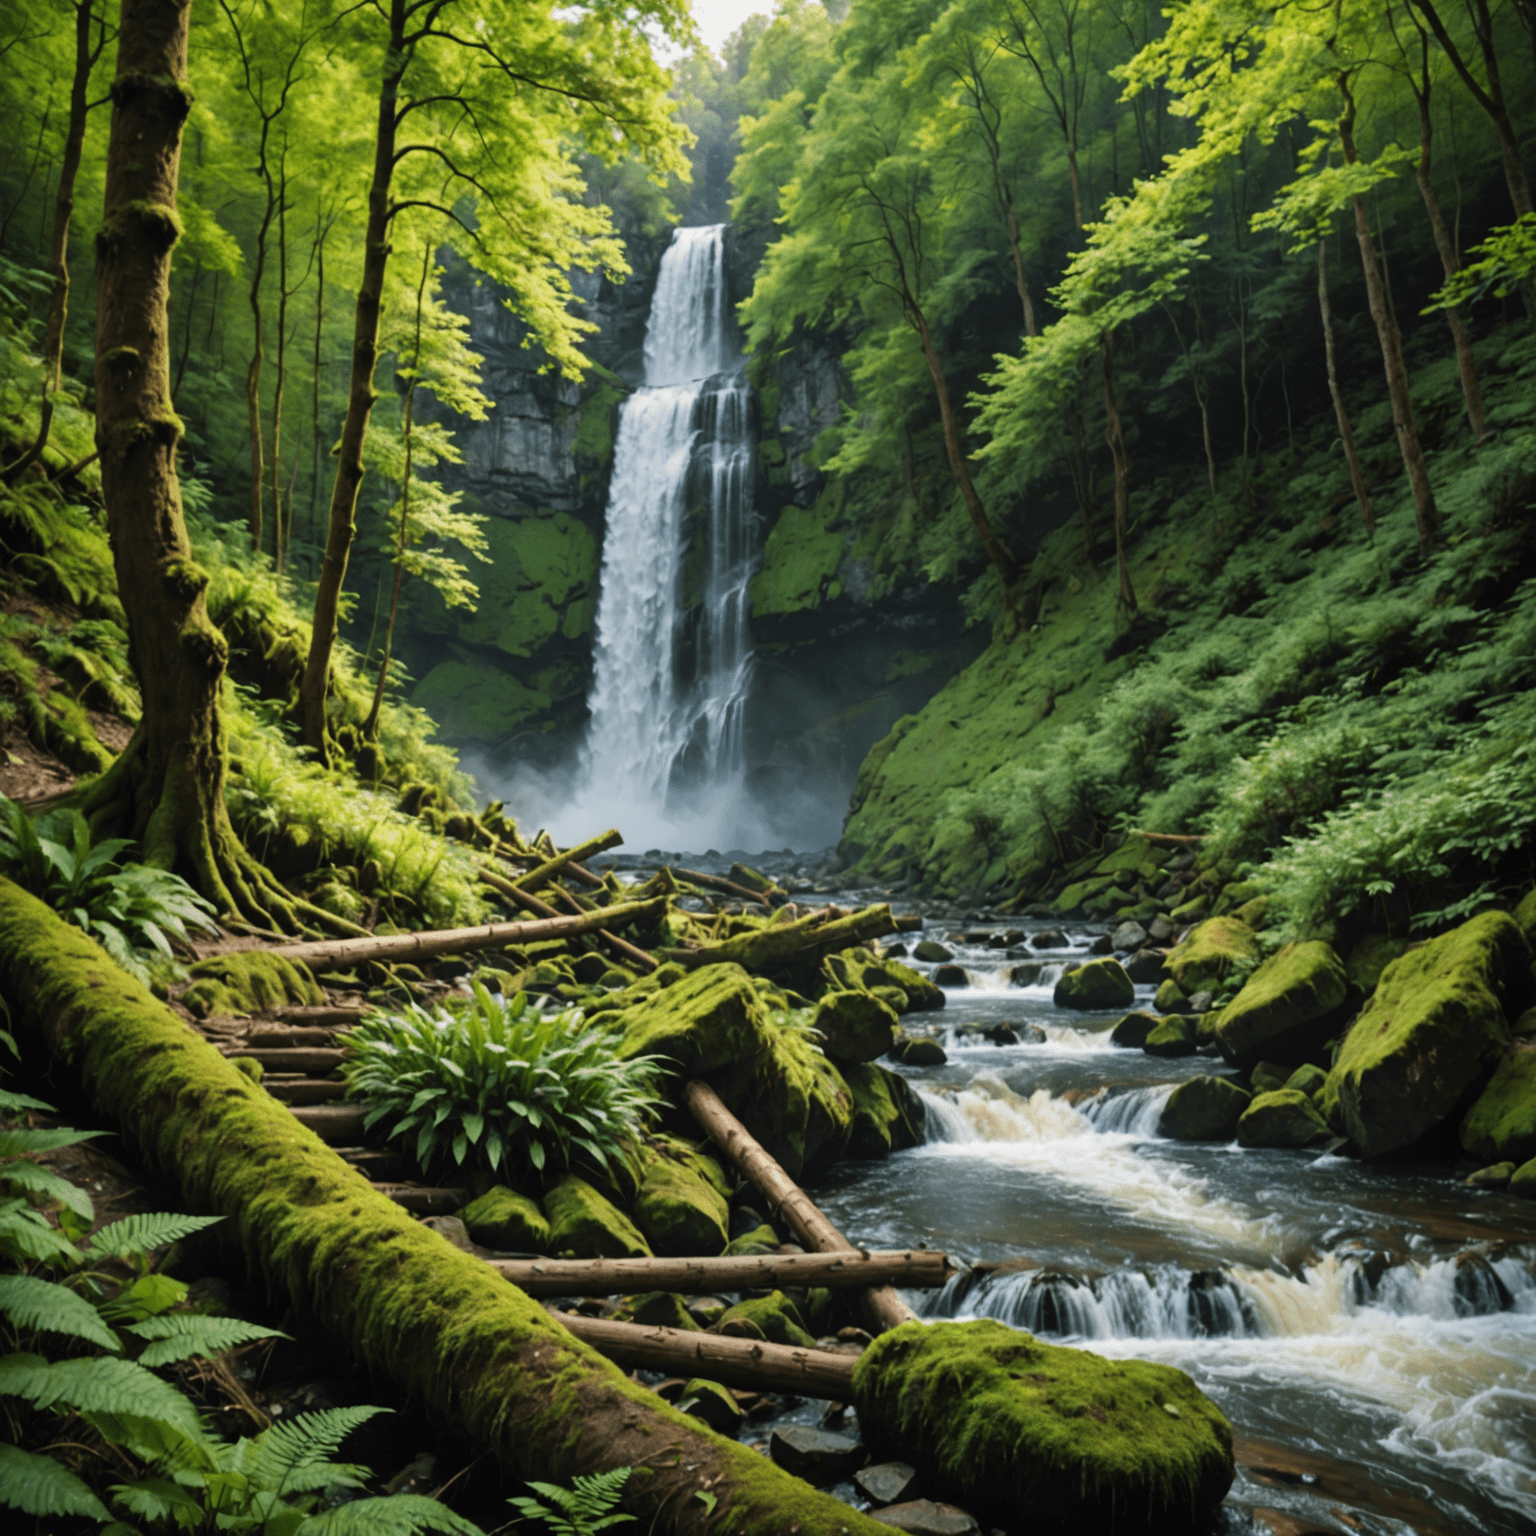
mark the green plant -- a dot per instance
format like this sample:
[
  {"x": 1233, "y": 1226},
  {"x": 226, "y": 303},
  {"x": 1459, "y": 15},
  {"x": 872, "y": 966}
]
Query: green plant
[
  {"x": 125, "y": 907},
  {"x": 580, "y": 1510},
  {"x": 501, "y": 1079}
]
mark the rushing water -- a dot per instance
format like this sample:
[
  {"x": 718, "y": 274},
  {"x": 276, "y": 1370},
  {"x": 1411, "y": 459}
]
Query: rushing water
[
  {"x": 1369, "y": 1330},
  {"x": 673, "y": 658}
]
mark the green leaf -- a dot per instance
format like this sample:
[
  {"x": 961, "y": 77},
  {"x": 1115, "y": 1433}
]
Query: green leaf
[
  {"x": 99, "y": 1384},
  {"x": 25, "y": 1236},
  {"x": 402, "y": 1512},
  {"x": 155, "y": 1498},
  {"x": 21, "y": 1142},
  {"x": 40, "y": 1304},
  {"x": 38, "y": 1485},
  {"x": 41, "y": 1180},
  {"x": 10, "y": 1100},
  {"x": 184, "y": 1335},
  {"x": 148, "y": 1296},
  {"x": 135, "y": 1236}
]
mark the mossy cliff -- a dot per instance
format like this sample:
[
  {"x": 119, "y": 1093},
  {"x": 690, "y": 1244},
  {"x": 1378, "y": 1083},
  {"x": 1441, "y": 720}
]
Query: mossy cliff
[{"x": 481, "y": 1357}]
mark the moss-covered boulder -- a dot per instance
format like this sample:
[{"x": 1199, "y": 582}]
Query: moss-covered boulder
[
  {"x": 859, "y": 969},
  {"x": 1283, "y": 1118},
  {"x": 773, "y": 1317},
  {"x": 707, "y": 1020},
  {"x": 854, "y": 1026},
  {"x": 682, "y": 1203},
  {"x": 714, "y": 1404},
  {"x": 791, "y": 1098},
  {"x": 1522, "y": 1181},
  {"x": 1208, "y": 955},
  {"x": 761, "y": 1239},
  {"x": 1286, "y": 1007},
  {"x": 1170, "y": 998},
  {"x": 1525, "y": 917},
  {"x": 249, "y": 981},
  {"x": 1501, "y": 1125},
  {"x": 1020, "y": 1430},
  {"x": 1370, "y": 957},
  {"x": 585, "y": 1225},
  {"x": 1177, "y": 1035},
  {"x": 1268, "y": 1076},
  {"x": 1432, "y": 1031},
  {"x": 1133, "y": 1029},
  {"x": 1100, "y": 984},
  {"x": 1495, "y": 1176},
  {"x": 501, "y": 1218},
  {"x": 659, "y": 1309},
  {"x": 1203, "y": 1109},
  {"x": 887, "y": 1115},
  {"x": 1307, "y": 1079}
]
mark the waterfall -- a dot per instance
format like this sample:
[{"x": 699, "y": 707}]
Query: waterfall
[{"x": 673, "y": 657}]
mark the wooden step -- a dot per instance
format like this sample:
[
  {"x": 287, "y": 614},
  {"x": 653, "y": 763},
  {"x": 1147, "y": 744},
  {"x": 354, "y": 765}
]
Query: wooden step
[
  {"x": 309, "y": 1059},
  {"x": 277, "y": 1037},
  {"x": 378, "y": 1163},
  {"x": 338, "y": 1125},
  {"x": 424, "y": 1200},
  {"x": 328, "y": 1014},
  {"x": 305, "y": 1090}
]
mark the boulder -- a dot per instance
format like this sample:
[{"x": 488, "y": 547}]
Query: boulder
[
  {"x": 1022, "y": 1430},
  {"x": 1052, "y": 938},
  {"x": 773, "y": 1317},
  {"x": 1522, "y": 1181},
  {"x": 1133, "y": 1029},
  {"x": 1370, "y": 957},
  {"x": 854, "y": 1026},
  {"x": 817, "y": 1455},
  {"x": 1203, "y": 1109},
  {"x": 792, "y": 1099},
  {"x": 1162, "y": 930},
  {"x": 887, "y": 1482},
  {"x": 918, "y": 1052},
  {"x": 1192, "y": 910},
  {"x": 1432, "y": 1031},
  {"x": 505, "y": 1220},
  {"x": 1283, "y": 1118},
  {"x": 933, "y": 952},
  {"x": 761, "y": 1239},
  {"x": 661, "y": 1309},
  {"x": 858, "y": 969},
  {"x": 1177, "y": 1035},
  {"x": 1501, "y": 1125},
  {"x": 951, "y": 976},
  {"x": 1128, "y": 937},
  {"x": 1525, "y": 917},
  {"x": 1026, "y": 975},
  {"x": 1525, "y": 1024},
  {"x": 922, "y": 1517},
  {"x": 1267, "y": 1077},
  {"x": 682, "y": 1204},
  {"x": 1214, "y": 951},
  {"x": 714, "y": 1404},
  {"x": 1147, "y": 967},
  {"x": 1286, "y": 1007},
  {"x": 1255, "y": 913},
  {"x": 887, "y": 1115},
  {"x": 1103, "y": 945},
  {"x": 1100, "y": 984},
  {"x": 711, "y": 1018},
  {"x": 1496, "y": 1176},
  {"x": 1170, "y": 998},
  {"x": 585, "y": 1225},
  {"x": 249, "y": 981},
  {"x": 1308, "y": 1079}
]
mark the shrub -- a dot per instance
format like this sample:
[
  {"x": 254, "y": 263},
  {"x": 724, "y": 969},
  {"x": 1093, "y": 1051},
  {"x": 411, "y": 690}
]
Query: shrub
[{"x": 500, "y": 1082}]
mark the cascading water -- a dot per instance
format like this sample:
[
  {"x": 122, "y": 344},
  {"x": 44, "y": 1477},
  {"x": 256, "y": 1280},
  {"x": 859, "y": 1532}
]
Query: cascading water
[{"x": 673, "y": 660}]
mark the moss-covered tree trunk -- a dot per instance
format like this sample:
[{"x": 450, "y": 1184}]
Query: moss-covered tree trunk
[{"x": 167, "y": 787}]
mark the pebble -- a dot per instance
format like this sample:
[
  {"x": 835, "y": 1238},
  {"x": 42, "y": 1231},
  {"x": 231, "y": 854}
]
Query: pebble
[
  {"x": 922, "y": 1517},
  {"x": 888, "y": 1482},
  {"x": 817, "y": 1455}
]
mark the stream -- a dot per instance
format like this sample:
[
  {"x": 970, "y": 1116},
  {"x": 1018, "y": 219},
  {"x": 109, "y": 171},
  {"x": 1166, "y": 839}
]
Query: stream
[{"x": 1369, "y": 1330}]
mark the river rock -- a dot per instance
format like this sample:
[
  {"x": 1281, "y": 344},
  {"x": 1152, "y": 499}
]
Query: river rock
[
  {"x": 1052, "y": 938},
  {"x": 714, "y": 1404},
  {"x": 682, "y": 1207},
  {"x": 932, "y": 950},
  {"x": 1201, "y": 1002},
  {"x": 1496, "y": 1176},
  {"x": 1283, "y": 1118},
  {"x": 773, "y": 1317},
  {"x": 1103, "y": 945},
  {"x": 1162, "y": 930},
  {"x": 585, "y": 1225},
  {"x": 1267, "y": 1077},
  {"x": 860, "y": 970},
  {"x": 1203, "y": 1109},
  {"x": 817, "y": 1455},
  {"x": 1522, "y": 1181},
  {"x": 854, "y": 1026},
  {"x": 887, "y": 1482},
  {"x": 1432, "y": 1031},
  {"x": 1370, "y": 957},
  {"x": 1170, "y": 998},
  {"x": 1002, "y": 1423},
  {"x": 922, "y": 1517},
  {"x": 503, "y": 1219},
  {"x": 1025, "y": 975},
  {"x": 710, "y": 1018},
  {"x": 1177, "y": 1035},
  {"x": 888, "y": 1116},
  {"x": 1133, "y": 1029},
  {"x": 1212, "y": 952},
  {"x": 1129, "y": 936},
  {"x": 661, "y": 1309},
  {"x": 1502, "y": 1123},
  {"x": 1525, "y": 916},
  {"x": 919, "y": 1052},
  {"x": 951, "y": 976},
  {"x": 1286, "y": 1007},
  {"x": 762, "y": 1238},
  {"x": 1307, "y": 1079},
  {"x": 1147, "y": 967},
  {"x": 1100, "y": 984}
]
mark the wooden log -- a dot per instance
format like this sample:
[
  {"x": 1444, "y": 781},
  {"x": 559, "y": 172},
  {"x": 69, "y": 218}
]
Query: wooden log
[
  {"x": 883, "y": 1306},
  {"x": 552, "y": 867},
  {"x": 910, "y": 922},
  {"x": 290, "y": 1058},
  {"x": 747, "y": 1363},
  {"x": 718, "y": 883},
  {"x": 338, "y": 1125},
  {"x": 306, "y": 1091},
  {"x": 621, "y": 947},
  {"x": 423, "y": 1199},
  {"x": 280, "y": 1037},
  {"x": 769, "y": 947},
  {"x": 337, "y": 954},
  {"x": 319, "y": 1016},
  {"x": 1173, "y": 839},
  {"x": 746, "y": 1272}
]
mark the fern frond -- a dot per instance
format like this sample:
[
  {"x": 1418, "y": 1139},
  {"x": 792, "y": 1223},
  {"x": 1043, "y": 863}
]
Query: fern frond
[
  {"x": 183, "y": 1335},
  {"x": 137, "y": 1235},
  {"x": 305, "y": 1441},
  {"x": 155, "y": 1498},
  {"x": 25, "y": 1236},
  {"x": 38, "y": 1485},
  {"x": 101, "y": 1385},
  {"x": 9, "y": 1100},
  {"x": 402, "y": 1514},
  {"x": 38, "y": 1180},
  {"x": 20, "y": 1142},
  {"x": 41, "y": 1305}
]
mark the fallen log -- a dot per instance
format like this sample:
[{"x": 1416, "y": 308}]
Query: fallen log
[
  {"x": 622, "y": 947},
  {"x": 770, "y": 947},
  {"x": 487, "y": 1364},
  {"x": 338, "y": 954},
  {"x": 747, "y": 1363},
  {"x": 717, "y": 883},
  {"x": 746, "y": 1272},
  {"x": 884, "y": 1307},
  {"x": 1174, "y": 839},
  {"x": 552, "y": 867}
]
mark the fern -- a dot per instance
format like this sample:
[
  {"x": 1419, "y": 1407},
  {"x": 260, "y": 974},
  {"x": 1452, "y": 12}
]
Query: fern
[
  {"x": 305, "y": 1442},
  {"x": 135, "y": 1236},
  {"x": 15, "y": 1142},
  {"x": 38, "y": 1180},
  {"x": 580, "y": 1510},
  {"x": 42, "y": 1305},
  {"x": 183, "y": 1335},
  {"x": 401, "y": 1514},
  {"x": 100, "y": 1384},
  {"x": 26, "y": 1237},
  {"x": 38, "y": 1485}
]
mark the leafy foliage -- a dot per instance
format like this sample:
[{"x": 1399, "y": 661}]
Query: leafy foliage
[
  {"x": 583, "y": 1509},
  {"x": 499, "y": 1082}
]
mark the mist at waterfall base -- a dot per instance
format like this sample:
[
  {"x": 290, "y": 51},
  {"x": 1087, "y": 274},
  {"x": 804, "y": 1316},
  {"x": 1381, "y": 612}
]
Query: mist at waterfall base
[{"x": 665, "y": 755}]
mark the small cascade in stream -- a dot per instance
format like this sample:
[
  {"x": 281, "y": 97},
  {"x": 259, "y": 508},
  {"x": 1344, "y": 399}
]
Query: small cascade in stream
[{"x": 673, "y": 659}]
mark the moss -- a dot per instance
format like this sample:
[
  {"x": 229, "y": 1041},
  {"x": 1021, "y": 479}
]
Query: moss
[
  {"x": 503, "y": 1219},
  {"x": 1370, "y": 957},
  {"x": 800, "y": 558},
  {"x": 486, "y": 1362},
  {"x": 250, "y": 1067},
  {"x": 1133, "y": 1029},
  {"x": 681, "y": 1212},
  {"x": 585, "y": 1225},
  {"x": 1170, "y": 997},
  {"x": 773, "y": 1317},
  {"x": 1217, "y": 950},
  {"x": 1011, "y": 1427},
  {"x": 714, "y": 1404},
  {"x": 1522, "y": 1181},
  {"x": 886, "y": 1116},
  {"x": 1100, "y": 984},
  {"x": 249, "y": 981},
  {"x": 1285, "y": 1117},
  {"x": 1177, "y": 1035},
  {"x": 1071, "y": 899},
  {"x": 1136, "y": 858},
  {"x": 1502, "y": 1123},
  {"x": 1432, "y": 1030},
  {"x": 761, "y": 1239},
  {"x": 854, "y": 1026},
  {"x": 1286, "y": 1006},
  {"x": 1308, "y": 1079},
  {"x": 660, "y": 1309},
  {"x": 1525, "y": 917},
  {"x": 1203, "y": 1109},
  {"x": 708, "y": 1020}
]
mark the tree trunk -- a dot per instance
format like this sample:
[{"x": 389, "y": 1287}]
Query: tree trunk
[
  {"x": 577, "y": 854},
  {"x": 1114, "y": 436},
  {"x": 342, "y": 526},
  {"x": 1346, "y": 431},
  {"x": 1026, "y": 300},
  {"x": 314, "y": 404},
  {"x": 487, "y": 1364},
  {"x": 919, "y": 1267},
  {"x": 58, "y": 254},
  {"x": 519, "y": 897},
  {"x": 253, "y": 373},
  {"x": 768, "y": 947},
  {"x": 279, "y": 531},
  {"x": 166, "y": 788},
  {"x": 186, "y": 334},
  {"x": 1391, "y": 339},
  {"x": 885, "y": 1308}
]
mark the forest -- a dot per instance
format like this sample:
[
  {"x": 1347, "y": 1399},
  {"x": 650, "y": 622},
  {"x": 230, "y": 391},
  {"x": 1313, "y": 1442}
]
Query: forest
[{"x": 1048, "y": 487}]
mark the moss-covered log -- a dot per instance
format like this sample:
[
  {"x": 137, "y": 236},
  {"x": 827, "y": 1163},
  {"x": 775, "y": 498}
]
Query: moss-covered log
[
  {"x": 481, "y": 1357},
  {"x": 768, "y": 948}
]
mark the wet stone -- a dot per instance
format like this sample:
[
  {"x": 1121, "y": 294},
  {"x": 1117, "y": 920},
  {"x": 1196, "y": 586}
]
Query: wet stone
[
  {"x": 817, "y": 1455},
  {"x": 1052, "y": 938},
  {"x": 1162, "y": 930},
  {"x": 917, "y": 1053},
  {"x": 932, "y": 950},
  {"x": 1133, "y": 1029},
  {"x": 1129, "y": 936},
  {"x": 1495, "y": 1176},
  {"x": 889, "y": 1482},
  {"x": 1201, "y": 1002},
  {"x": 1103, "y": 945},
  {"x": 922, "y": 1517},
  {"x": 1146, "y": 967},
  {"x": 1025, "y": 975},
  {"x": 951, "y": 976}
]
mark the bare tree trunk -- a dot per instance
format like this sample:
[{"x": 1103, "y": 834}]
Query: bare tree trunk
[
  {"x": 1114, "y": 436},
  {"x": 1346, "y": 431},
  {"x": 1026, "y": 300},
  {"x": 857, "y": 1268},
  {"x": 321, "y": 231},
  {"x": 279, "y": 532},
  {"x": 253, "y": 374},
  {"x": 58, "y": 255}
]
